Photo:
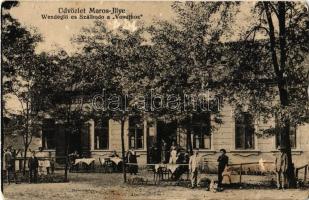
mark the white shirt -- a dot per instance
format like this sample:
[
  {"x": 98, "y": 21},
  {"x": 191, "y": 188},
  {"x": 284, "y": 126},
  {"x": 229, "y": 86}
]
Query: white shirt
[{"x": 194, "y": 162}]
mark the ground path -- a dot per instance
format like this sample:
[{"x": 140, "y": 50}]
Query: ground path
[{"x": 109, "y": 186}]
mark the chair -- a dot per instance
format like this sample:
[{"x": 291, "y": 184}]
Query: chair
[
  {"x": 107, "y": 165},
  {"x": 72, "y": 166}
]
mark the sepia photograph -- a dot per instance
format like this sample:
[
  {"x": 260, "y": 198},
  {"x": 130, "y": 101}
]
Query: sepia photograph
[{"x": 154, "y": 100}]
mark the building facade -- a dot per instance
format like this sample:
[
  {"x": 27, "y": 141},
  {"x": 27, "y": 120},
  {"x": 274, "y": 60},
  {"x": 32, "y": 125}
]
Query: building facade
[{"x": 237, "y": 134}]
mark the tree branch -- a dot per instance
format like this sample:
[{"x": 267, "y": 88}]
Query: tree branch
[
  {"x": 273, "y": 8},
  {"x": 256, "y": 28}
]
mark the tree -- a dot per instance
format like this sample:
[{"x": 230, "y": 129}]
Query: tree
[
  {"x": 185, "y": 52},
  {"x": 19, "y": 71},
  {"x": 268, "y": 71},
  {"x": 114, "y": 63},
  {"x": 66, "y": 97}
]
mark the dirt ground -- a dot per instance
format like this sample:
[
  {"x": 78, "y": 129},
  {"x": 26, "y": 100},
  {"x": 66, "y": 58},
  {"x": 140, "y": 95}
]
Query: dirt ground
[{"x": 109, "y": 186}]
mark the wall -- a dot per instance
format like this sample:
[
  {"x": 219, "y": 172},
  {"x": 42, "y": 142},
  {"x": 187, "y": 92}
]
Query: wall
[{"x": 223, "y": 137}]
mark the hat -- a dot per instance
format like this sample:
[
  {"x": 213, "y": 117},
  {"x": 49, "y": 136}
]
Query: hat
[
  {"x": 281, "y": 147},
  {"x": 223, "y": 150}
]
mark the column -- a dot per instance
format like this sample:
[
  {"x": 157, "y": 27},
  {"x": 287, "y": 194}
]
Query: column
[
  {"x": 91, "y": 133},
  {"x": 145, "y": 134}
]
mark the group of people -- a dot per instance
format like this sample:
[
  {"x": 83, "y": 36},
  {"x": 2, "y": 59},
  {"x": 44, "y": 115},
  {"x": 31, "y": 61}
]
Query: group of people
[
  {"x": 281, "y": 168},
  {"x": 130, "y": 158},
  {"x": 9, "y": 165},
  {"x": 195, "y": 162},
  {"x": 165, "y": 154},
  {"x": 174, "y": 157}
]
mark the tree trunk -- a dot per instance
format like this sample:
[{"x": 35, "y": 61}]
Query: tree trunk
[
  {"x": 189, "y": 141},
  {"x": 26, "y": 137},
  {"x": 286, "y": 143},
  {"x": 66, "y": 156},
  {"x": 67, "y": 141},
  {"x": 25, "y": 159},
  {"x": 281, "y": 80},
  {"x": 123, "y": 152}
]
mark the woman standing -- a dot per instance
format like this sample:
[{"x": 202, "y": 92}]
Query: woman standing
[{"x": 131, "y": 159}]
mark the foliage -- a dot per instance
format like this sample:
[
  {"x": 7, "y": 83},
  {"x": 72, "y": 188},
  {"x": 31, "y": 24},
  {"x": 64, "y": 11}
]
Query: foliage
[
  {"x": 115, "y": 62},
  {"x": 186, "y": 52},
  {"x": 251, "y": 76}
]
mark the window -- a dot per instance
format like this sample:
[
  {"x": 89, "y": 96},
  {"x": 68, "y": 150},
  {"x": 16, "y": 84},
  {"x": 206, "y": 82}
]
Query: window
[
  {"x": 244, "y": 131},
  {"x": 101, "y": 134},
  {"x": 292, "y": 136},
  {"x": 201, "y": 128},
  {"x": 136, "y": 133},
  {"x": 48, "y": 134}
]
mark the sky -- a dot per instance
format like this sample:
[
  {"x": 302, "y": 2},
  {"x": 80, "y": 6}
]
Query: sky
[{"x": 57, "y": 33}]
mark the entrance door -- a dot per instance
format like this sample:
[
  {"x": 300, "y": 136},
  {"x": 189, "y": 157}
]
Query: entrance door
[
  {"x": 75, "y": 140},
  {"x": 152, "y": 147},
  {"x": 166, "y": 131}
]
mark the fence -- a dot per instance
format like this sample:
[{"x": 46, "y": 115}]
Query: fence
[
  {"x": 46, "y": 170},
  {"x": 305, "y": 168},
  {"x": 241, "y": 166}
]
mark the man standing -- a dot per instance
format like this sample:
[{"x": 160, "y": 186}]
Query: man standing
[
  {"x": 131, "y": 159},
  {"x": 223, "y": 161},
  {"x": 8, "y": 160},
  {"x": 194, "y": 163},
  {"x": 281, "y": 164},
  {"x": 33, "y": 165},
  {"x": 164, "y": 152},
  {"x": 153, "y": 154}
]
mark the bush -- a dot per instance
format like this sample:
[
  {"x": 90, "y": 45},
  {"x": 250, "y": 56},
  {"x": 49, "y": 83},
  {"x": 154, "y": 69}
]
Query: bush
[{"x": 42, "y": 178}]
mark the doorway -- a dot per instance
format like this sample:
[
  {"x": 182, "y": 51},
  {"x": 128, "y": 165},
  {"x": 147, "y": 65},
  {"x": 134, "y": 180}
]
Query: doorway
[{"x": 166, "y": 131}]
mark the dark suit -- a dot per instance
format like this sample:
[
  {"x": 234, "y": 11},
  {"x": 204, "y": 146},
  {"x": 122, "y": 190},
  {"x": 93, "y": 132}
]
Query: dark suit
[
  {"x": 9, "y": 165},
  {"x": 223, "y": 161},
  {"x": 33, "y": 164},
  {"x": 131, "y": 158}
]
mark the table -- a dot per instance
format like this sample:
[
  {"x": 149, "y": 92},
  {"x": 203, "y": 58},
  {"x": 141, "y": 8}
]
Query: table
[
  {"x": 110, "y": 164},
  {"x": 87, "y": 161},
  {"x": 116, "y": 160},
  {"x": 170, "y": 167},
  {"x": 113, "y": 159},
  {"x": 162, "y": 171}
]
